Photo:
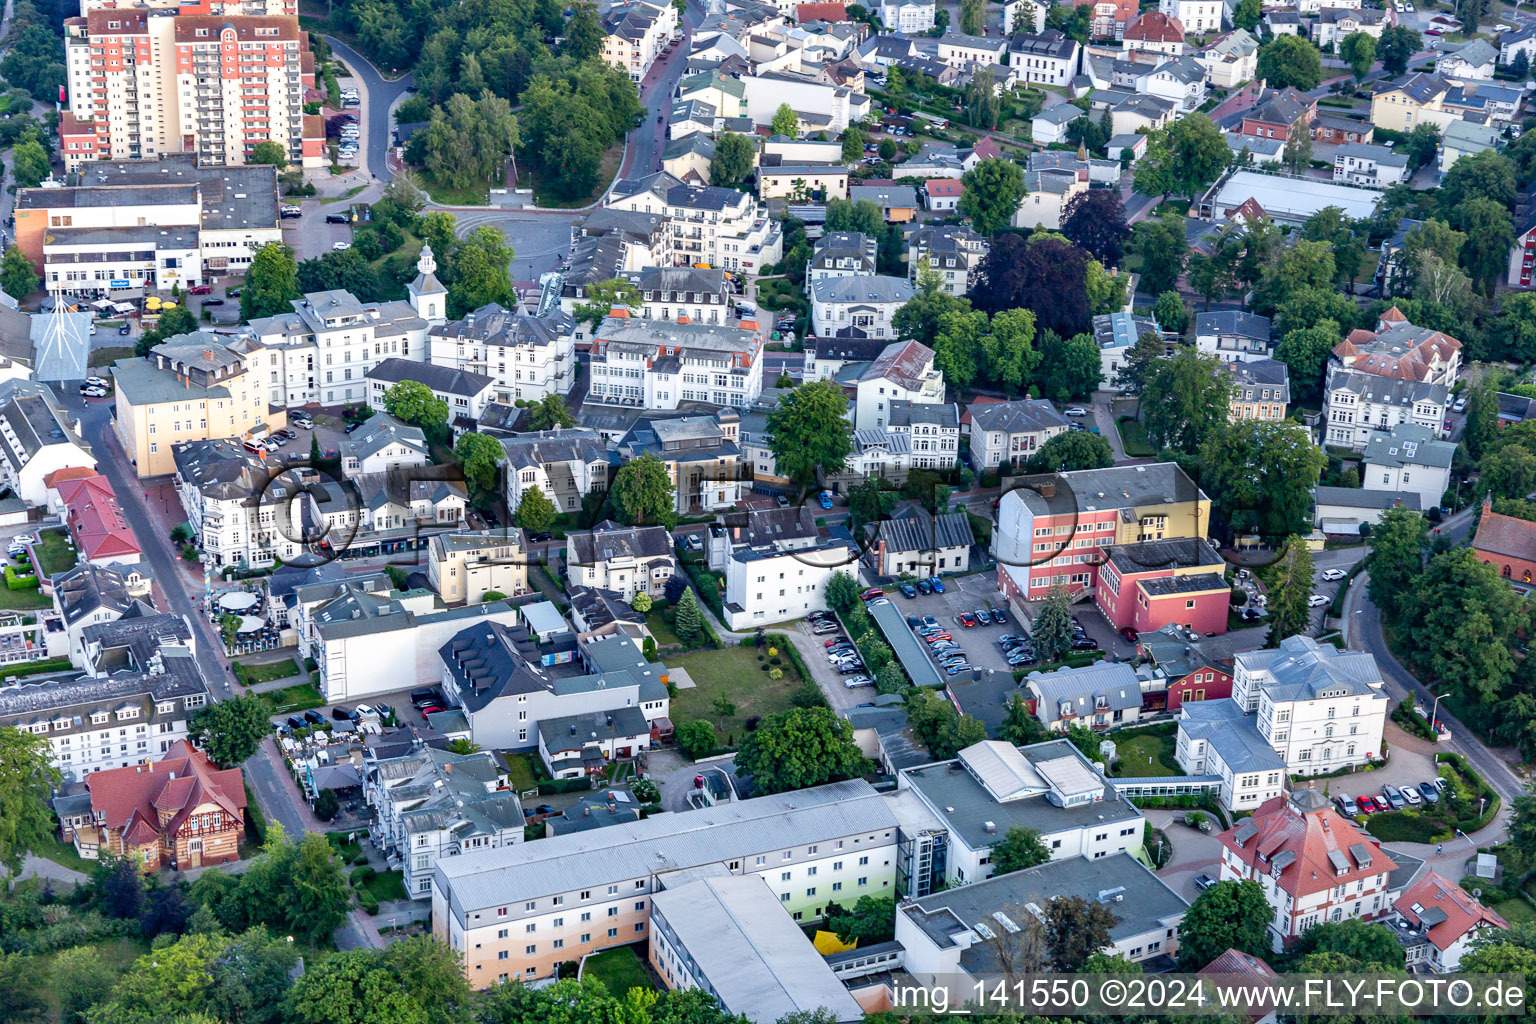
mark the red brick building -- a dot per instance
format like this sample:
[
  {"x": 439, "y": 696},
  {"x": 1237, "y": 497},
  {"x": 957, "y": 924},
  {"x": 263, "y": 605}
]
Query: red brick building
[
  {"x": 1190, "y": 666},
  {"x": 178, "y": 812},
  {"x": 1146, "y": 586},
  {"x": 1509, "y": 544},
  {"x": 1279, "y": 114}
]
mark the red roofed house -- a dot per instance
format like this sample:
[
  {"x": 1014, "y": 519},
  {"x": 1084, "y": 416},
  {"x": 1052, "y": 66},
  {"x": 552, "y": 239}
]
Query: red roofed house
[
  {"x": 820, "y": 12},
  {"x": 1244, "y": 965},
  {"x": 1401, "y": 350},
  {"x": 903, "y": 372},
  {"x": 943, "y": 193},
  {"x": 96, "y": 521},
  {"x": 178, "y": 812},
  {"x": 1109, "y": 18},
  {"x": 1440, "y": 921},
  {"x": 1313, "y": 864},
  {"x": 59, "y": 476},
  {"x": 1278, "y": 114},
  {"x": 986, "y": 149},
  {"x": 1509, "y": 544},
  {"x": 1153, "y": 36}
]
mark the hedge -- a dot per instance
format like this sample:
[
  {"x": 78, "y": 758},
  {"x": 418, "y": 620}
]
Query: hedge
[
  {"x": 709, "y": 589},
  {"x": 37, "y": 668},
  {"x": 16, "y": 582},
  {"x": 552, "y": 787},
  {"x": 1411, "y": 721},
  {"x": 255, "y": 822}
]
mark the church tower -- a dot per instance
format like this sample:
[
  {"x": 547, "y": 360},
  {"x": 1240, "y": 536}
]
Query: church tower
[{"x": 427, "y": 295}]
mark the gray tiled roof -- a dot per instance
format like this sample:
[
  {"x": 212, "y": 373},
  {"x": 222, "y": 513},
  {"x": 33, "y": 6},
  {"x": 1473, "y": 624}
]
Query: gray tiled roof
[
  {"x": 378, "y": 432},
  {"x": 1302, "y": 669},
  {"x": 1409, "y": 444},
  {"x": 1233, "y": 735},
  {"x": 1355, "y": 497},
  {"x": 609, "y": 540},
  {"x": 861, "y": 289},
  {"x": 1023, "y": 416},
  {"x": 1116, "y": 683},
  {"x": 444, "y": 379}
]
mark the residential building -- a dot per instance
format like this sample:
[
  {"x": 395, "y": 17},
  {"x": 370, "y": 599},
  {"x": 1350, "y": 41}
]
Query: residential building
[
  {"x": 1416, "y": 98},
  {"x": 1116, "y": 334},
  {"x": 1508, "y": 544},
  {"x": 1521, "y": 40},
  {"x": 688, "y": 156},
  {"x": 1053, "y": 539},
  {"x": 842, "y": 254},
  {"x": 1050, "y": 125},
  {"x": 942, "y": 195},
  {"x": 955, "y": 937},
  {"x": 37, "y": 438},
  {"x": 153, "y": 224},
  {"x": 1342, "y": 511},
  {"x": 1230, "y": 60},
  {"x": 1464, "y": 138},
  {"x": 1438, "y": 922},
  {"x": 968, "y": 53},
  {"x": 408, "y": 502},
  {"x": 567, "y": 464},
  {"x": 1109, "y": 18},
  {"x": 1280, "y": 114},
  {"x": 143, "y": 83},
  {"x": 1335, "y": 24},
  {"x": 857, "y": 306},
  {"x": 634, "y": 32},
  {"x": 1261, "y": 389},
  {"x": 1156, "y": 33},
  {"x": 718, "y": 226},
  {"x": 909, "y": 17},
  {"x": 240, "y": 510},
  {"x": 1373, "y": 166},
  {"x": 1101, "y": 696},
  {"x": 430, "y": 804},
  {"x": 904, "y": 372},
  {"x": 898, "y": 203},
  {"x": 500, "y": 682},
  {"x": 1006, "y": 434},
  {"x": 821, "y": 103},
  {"x": 761, "y": 528},
  {"x": 1471, "y": 60},
  {"x": 1282, "y": 21},
  {"x": 525, "y": 356},
  {"x": 1197, "y": 16},
  {"x": 598, "y": 884},
  {"x": 1047, "y": 194},
  {"x": 1179, "y": 80},
  {"x": 1409, "y": 459},
  {"x": 802, "y": 183},
  {"x": 657, "y": 364},
  {"x": 89, "y": 595},
  {"x": 465, "y": 391},
  {"x": 841, "y": 359},
  {"x": 1140, "y": 114},
  {"x": 177, "y": 812},
  {"x": 1377, "y": 379},
  {"x": 1187, "y": 666},
  {"x": 913, "y": 542},
  {"x": 882, "y": 51},
  {"x": 684, "y": 294},
  {"x": 1313, "y": 864},
  {"x": 127, "y": 708},
  {"x": 590, "y": 744},
  {"x": 775, "y": 583},
  {"x": 627, "y": 560},
  {"x": 465, "y": 566},
  {"x": 701, "y": 453},
  {"x": 953, "y": 252},
  {"x": 1147, "y": 585},
  {"x": 1023, "y": 16},
  {"x": 382, "y": 443},
  {"x": 1045, "y": 58},
  {"x": 95, "y": 521},
  {"x": 1216, "y": 739},
  {"x": 730, "y": 937},
  {"x": 1338, "y": 130},
  {"x": 992, "y": 787}
]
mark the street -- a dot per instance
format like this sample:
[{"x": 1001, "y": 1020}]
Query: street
[{"x": 378, "y": 96}]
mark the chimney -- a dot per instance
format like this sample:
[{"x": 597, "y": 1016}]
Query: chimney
[{"x": 1048, "y": 489}]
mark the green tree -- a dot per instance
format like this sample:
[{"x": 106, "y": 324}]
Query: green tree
[
  {"x": 1289, "y": 614},
  {"x": 1461, "y": 621},
  {"x": 1276, "y": 502},
  {"x": 973, "y": 16},
  {"x": 872, "y": 919},
  {"x": 1020, "y": 726},
  {"x": 1228, "y": 915},
  {"x": 1069, "y": 367},
  {"x": 480, "y": 457},
  {"x": 549, "y": 413},
  {"x": 1185, "y": 400},
  {"x": 862, "y": 216},
  {"x": 1052, "y": 631},
  {"x": 918, "y": 319},
  {"x": 842, "y": 591},
  {"x": 1305, "y": 352},
  {"x": 1019, "y": 848},
  {"x": 80, "y": 979},
  {"x": 584, "y": 33},
  {"x": 1482, "y": 426},
  {"x": 232, "y": 730},
  {"x": 17, "y": 277},
  {"x": 890, "y": 679},
  {"x": 888, "y": 147},
  {"x": 1247, "y": 15},
  {"x": 1421, "y": 145},
  {"x": 1359, "y": 52},
  {"x": 1182, "y": 158},
  {"x": 810, "y": 434},
  {"x": 696, "y": 739},
  {"x": 1297, "y": 155},
  {"x": 481, "y": 263},
  {"x": 412, "y": 402},
  {"x": 1163, "y": 246},
  {"x": 689, "y": 620},
  {"x": 30, "y": 164},
  {"x": 1399, "y": 542},
  {"x": 642, "y": 492},
  {"x": 800, "y": 748},
  {"x": 853, "y": 145},
  {"x": 983, "y": 107},
  {"x": 410, "y": 985},
  {"x": 1071, "y": 451},
  {"x": 1290, "y": 62},
  {"x": 1170, "y": 312},
  {"x": 535, "y": 512},
  {"x": 173, "y": 321},
  {"x": 786, "y": 121},
  {"x": 1075, "y": 930},
  {"x": 993, "y": 189},
  {"x": 1486, "y": 175},
  {"x": 1395, "y": 46},
  {"x": 733, "y": 160},
  {"x": 22, "y": 990},
  {"x": 27, "y": 781},
  {"x": 271, "y": 284},
  {"x": 269, "y": 153},
  {"x": 1146, "y": 352},
  {"x": 1373, "y": 946},
  {"x": 603, "y": 298},
  {"x": 468, "y": 140},
  {"x": 1508, "y": 472},
  {"x": 1490, "y": 235}
]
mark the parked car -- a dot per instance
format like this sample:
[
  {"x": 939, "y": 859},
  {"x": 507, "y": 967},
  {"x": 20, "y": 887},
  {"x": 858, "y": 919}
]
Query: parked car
[
  {"x": 1411, "y": 796},
  {"x": 90, "y": 392},
  {"x": 1204, "y": 882},
  {"x": 1430, "y": 794},
  {"x": 999, "y": 617},
  {"x": 340, "y": 246},
  {"x": 314, "y": 717},
  {"x": 825, "y": 498},
  {"x": 1334, "y": 574},
  {"x": 1347, "y": 806},
  {"x": 288, "y": 211},
  {"x": 1075, "y": 410},
  {"x": 983, "y": 618},
  {"x": 924, "y": 587},
  {"x": 295, "y": 722},
  {"x": 937, "y": 584},
  {"x": 1394, "y": 797},
  {"x": 340, "y": 713},
  {"x": 966, "y": 619},
  {"x": 98, "y": 382},
  {"x": 337, "y": 218},
  {"x": 850, "y": 667},
  {"x": 1317, "y": 601},
  {"x": 871, "y": 594},
  {"x": 213, "y": 302},
  {"x": 929, "y": 620},
  {"x": 907, "y": 590},
  {"x": 857, "y": 681},
  {"x": 1128, "y": 634},
  {"x": 125, "y": 329},
  {"x": 426, "y": 696},
  {"x": 1368, "y": 804},
  {"x": 955, "y": 670},
  {"x": 200, "y": 289}
]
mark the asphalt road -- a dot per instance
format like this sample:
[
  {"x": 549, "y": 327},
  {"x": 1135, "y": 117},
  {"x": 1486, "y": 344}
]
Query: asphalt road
[
  {"x": 378, "y": 95},
  {"x": 273, "y": 789}
]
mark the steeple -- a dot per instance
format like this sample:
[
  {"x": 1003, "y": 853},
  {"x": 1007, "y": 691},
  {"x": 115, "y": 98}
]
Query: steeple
[
  {"x": 427, "y": 294},
  {"x": 426, "y": 265}
]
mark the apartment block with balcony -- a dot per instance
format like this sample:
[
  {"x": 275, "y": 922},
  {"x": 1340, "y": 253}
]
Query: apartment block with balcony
[
  {"x": 241, "y": 511},
  {"x": 463, "y": 567},
  {"x": 904, "y": 372},
  {"x": 526, "y": 357},
  {"x": 702, "y": 454},
  {"x": 634, "y": 32},
  {"x": 566, "y": 464},
  {"x": 146, "y": 82},
  {"x": 627, "y": 560},
  {"x": 657, "y": 364},
  {"x": 709, "y": 226}
]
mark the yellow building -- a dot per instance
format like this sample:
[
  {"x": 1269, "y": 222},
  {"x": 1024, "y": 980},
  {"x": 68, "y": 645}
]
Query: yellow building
[
  {"x": 1409, "y": 102},
  {"x": 462, "y": 567},
  {"x": 193, "y": 387}
]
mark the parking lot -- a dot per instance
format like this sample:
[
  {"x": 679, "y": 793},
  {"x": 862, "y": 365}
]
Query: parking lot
[{"x": 965, "y": 594}]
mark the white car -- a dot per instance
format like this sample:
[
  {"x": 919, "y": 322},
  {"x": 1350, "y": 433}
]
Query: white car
[
  {"x": 341, "y": 246},
  {"x": 1316, "y": 601},
  {"x": 1334, "y": 574},
  {"x": 1077, "y": 410},
  {"x": 98, "y": 382},
  {"x": 1461, "y": 403},
  {"x": 90, "y": 392}
]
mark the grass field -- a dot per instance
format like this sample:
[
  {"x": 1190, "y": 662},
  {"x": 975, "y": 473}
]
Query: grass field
[
  {"x": 1133, "y": 434},
  {"x": 1145, "y": 756},
  {"x": 520, "y": 774},
  {"x": 735, "y": 674},
  {"x": 348, "y": 851},
  {"x": 656, "y": 622},
  {"x": 1516, "y": 911},
  {"x": 619, "y": 969},
  {"x": 54, "y": 553},
  {"x": 612, "y": 156},
  {"x": 251, "y": 673},
  {"x": 109, "y": 355},
  {"x": 23, "y": 600},
  {"x": 301, "y": 697},
  {"x": 62, "y": 854},
  {"x": 387, "y": 885}
]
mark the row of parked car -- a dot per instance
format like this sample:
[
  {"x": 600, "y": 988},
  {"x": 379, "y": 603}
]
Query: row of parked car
[
  {"x": 931, "y": 585},
  {"x": 1391, "y": 798},
  {"x": 941, "y": 644},
  {"x": 841, "y": 652}
]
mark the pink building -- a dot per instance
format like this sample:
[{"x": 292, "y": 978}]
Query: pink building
[{"x": 1150, "y": 585}]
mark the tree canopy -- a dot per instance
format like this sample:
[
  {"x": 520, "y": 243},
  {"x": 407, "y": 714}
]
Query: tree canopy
[
  {"x": 1228, "y": 915},
  {"x": 800, "y": 748},
  {"x": 232, "y": 730},
  {"x": 809, "y": 432},
  {"x": 642, "y": 491},
  {"x": 27, "y": 781},
  {"x": 993, "y": 189}
]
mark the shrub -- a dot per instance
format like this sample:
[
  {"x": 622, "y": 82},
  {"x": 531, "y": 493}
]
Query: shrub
[
  {"x": 15, "y": 582},
  {"x": 368, "y": 901}
]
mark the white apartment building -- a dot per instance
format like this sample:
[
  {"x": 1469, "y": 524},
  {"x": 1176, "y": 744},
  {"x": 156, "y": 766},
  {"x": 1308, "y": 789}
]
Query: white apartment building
[
  {"x": 380, "y": 444},
  {"x": 1318, "y": 707},
  {"x": 526, "y": 357},
  {"x": 1358, "y": 405},
  {"x": 466, "y": 393},
  {"x": 1216, "y": 738},
  {"x": 770, "y": 584},
  {"x": 992, "y": 786},
  {"x": 932, "y": 429},
  {"x": 1046, "y": 58},
  {"x": 1439, "y": 922},
  {"x": 37, "y": 437},
  {"x": 821, "y": 104},
  {"x": 1357, "y": 163},
  {"x": 147, "y": 82},
  {"x": 520, "y": 911},
  {"x": 634, "y": 32},
  {"x": 908, "y": 17},
  {"x": 1010, "y": 432},
  {"x": 656, "y": 364},
  {"x": 904, "y": 372},
  {"x": 430, "y": 804},
  {"x": 842, "y": 254},
  {"x": 241, "y": 510},
  {"x": 717, "y": 226},
  {"x": 1233, "y": 335},
  {"x": 965, "y": 52},
  {"x": 627, "y": 560},
  {"x": 566, "y": 464},
  {"x": 1198, "y": 17},
  {"x": 857, "y": 306},
  {"x": 1231, "y": 60},
  {"x": 951, "y": 251},
  {"x": 1023, "y": 16},
  {"x": 1409, "y": 459}
]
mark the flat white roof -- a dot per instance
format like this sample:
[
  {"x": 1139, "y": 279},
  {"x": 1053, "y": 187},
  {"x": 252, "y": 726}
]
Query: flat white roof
[
  {"x": 544, "y": 618},
  {"x": 1295, "y": 198}
]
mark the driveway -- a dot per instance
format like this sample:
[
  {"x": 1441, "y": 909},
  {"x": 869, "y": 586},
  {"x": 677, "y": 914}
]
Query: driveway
[
  {"x": 840, "y": 697},
  {"x": 1194, "y": 852}
]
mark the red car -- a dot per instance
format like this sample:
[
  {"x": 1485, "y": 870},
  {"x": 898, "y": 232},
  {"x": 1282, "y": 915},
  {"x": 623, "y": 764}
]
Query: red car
[
  {"x": 937, "y": 637},
  {"x": 429, "y": 709},
  {"x": 967, "y": 619},
  {"x": 871, "y": 594},
  {"x": 200, "y": 289},
  {"x": 1367, "y": 804},
  {"x": 834, "y": 640},
  {"x": 1129, "y": 634}
]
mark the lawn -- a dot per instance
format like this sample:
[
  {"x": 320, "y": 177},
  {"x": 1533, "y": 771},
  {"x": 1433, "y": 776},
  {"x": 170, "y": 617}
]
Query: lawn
[
  {"x": 520, "y": 774},
  {"x": 612, "y": 157},
  {"x": 349, "y": 851},
  {"x": 475, "y": 195},
  {"x": 109, "y": 355},
  {"x": 300, "y": 697},
  {"x": 23, "y": 600},
  {"x": 54, "y": 552},
  {"x": 735, "y": 674},
  {"x": 656, "y": 622},
  {"x": 1146, "y": 755},
  {"x": 619, "y": 970},
  {"x": 1133, "y": 434},
  {"x": 387, "y": 885},
  {"x": 1516, "y": 911},
  {"x": 251, "y": 673},
  {"x": 62, "y": 854}
]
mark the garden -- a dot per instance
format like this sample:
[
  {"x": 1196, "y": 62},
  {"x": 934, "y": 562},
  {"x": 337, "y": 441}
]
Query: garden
[
  {"x": 55, "y": 552},
  {"x": 250, "y": 673},
  {"x": 619, "y": 970},
  {"x": 734, "y": 687},
  {"x": 1146, "y": 753}
]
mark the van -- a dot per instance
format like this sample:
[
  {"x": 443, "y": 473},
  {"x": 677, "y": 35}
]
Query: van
[
  {"x": 337, "y": 218},
  {"x": 254, "y": 448}
]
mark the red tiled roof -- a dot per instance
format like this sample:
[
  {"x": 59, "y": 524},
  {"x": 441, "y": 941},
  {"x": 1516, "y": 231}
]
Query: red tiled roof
[
  {"x": 944, "y": 186},
  {"x": 902, "y": 363},
  {"x": 965, "y": 417},
  {"x": 68, "y": 473},
  {"x": 987, "y": 149},
  {"x": 1461, "y": 912},
  {"x": 1309, "y": 837},
  {"x": 96, "y": 519},
  {"x": 1235, "y": 961},
  {"x": 132, "y": 798},
  {"x": 1505, "y": 535},
  {"x": 820, "y": 12},
  {"x": 1155, "y": 27}
]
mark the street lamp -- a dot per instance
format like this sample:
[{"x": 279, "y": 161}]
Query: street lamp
[{"x": 1433, "y": 715}]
